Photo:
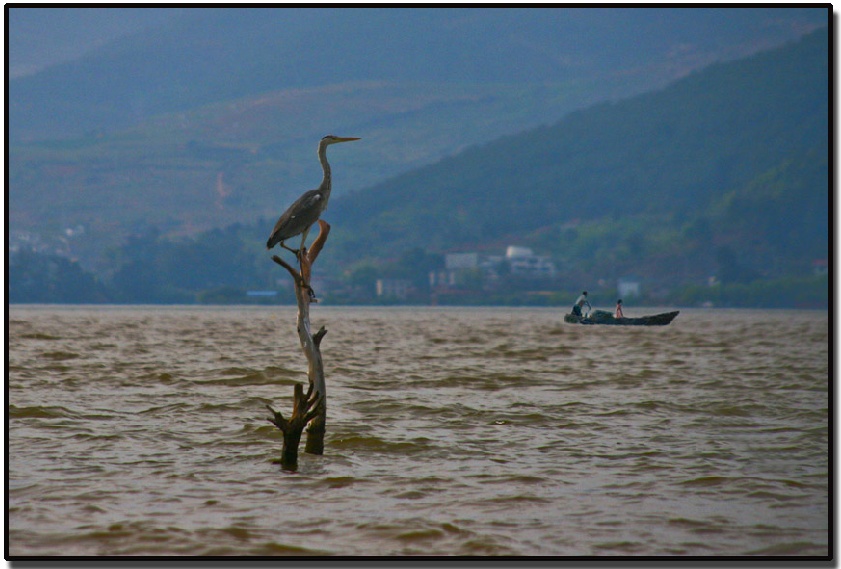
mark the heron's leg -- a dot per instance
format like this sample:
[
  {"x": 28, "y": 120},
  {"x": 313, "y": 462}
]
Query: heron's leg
[
  {"x": 304, "y": 237},
  {"x": 302, "y": 252},
  {"x": 282, "y": 244}
]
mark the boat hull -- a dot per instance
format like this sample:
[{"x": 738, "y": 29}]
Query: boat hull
[{"x": 606, "y": 318}]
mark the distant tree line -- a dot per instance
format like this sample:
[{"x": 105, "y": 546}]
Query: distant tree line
[
  {"x": 37, "y": 278},
  {"x": 222, "y": 266}
]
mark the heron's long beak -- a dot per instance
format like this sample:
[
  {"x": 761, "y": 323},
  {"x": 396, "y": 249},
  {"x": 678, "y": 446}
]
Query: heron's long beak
[{"x": 346, "y": 139}]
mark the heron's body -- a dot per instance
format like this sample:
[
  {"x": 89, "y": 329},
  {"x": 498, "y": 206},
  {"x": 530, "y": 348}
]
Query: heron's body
[{"x": 300, "y": 216}]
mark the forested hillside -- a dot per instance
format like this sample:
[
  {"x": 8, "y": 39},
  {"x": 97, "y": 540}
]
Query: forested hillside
[{"x": 672, "y": 153}]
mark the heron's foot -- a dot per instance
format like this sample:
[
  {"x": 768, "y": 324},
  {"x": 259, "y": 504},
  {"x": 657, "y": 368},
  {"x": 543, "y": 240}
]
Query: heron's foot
[
  {"x": 310, "y": 291},
  {"x": 296, "y": 251}
]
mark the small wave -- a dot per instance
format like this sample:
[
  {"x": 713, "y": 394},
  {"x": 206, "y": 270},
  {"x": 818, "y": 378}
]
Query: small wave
[
  {"x": 261, "y": 430},
  {"x": 411, "y": 495},
  {"x": 517, "y": 479},
  {"x": 793, "y": 548},
  {"x": 244, "y": 376},
  {"x": 90, "y": 437},
  {"x": 101, "y": 346},
  {"x": 620, "y": 547},
  {"x": 39, "y": 336},
  {"x": 420, "y": 535},
  {"x": 334, "y": 482},
  {"x": 274, "y": 549},
  {"x": 728, "y": 409},
  {"x": 701, "y": 526},
  {"x": 40, "y": 412},
  {"x": 377, "y": 445},
  {"x": 165, "y": 409},
  {"x": 485, "y": 546},
  {"x": 248, "y": 403},
  {"x": 60, "y": 355},
  {"x": 163, "y": 377},
  {"x": 614, "y": 413},
  {"x": 518, "y": 499},
  {"x": 706, "y": 481},
  {"x": 56, "y": 367},
  {"x": 531, "y": 354},
  {"x": 771, "y": 496}
]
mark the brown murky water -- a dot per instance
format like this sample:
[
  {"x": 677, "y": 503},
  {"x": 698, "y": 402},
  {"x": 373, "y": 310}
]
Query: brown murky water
[{"x": 142, "y": 431}]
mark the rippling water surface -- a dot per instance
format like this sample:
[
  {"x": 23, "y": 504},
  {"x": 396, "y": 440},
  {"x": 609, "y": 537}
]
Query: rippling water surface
[{"x": 142, "y": 431}]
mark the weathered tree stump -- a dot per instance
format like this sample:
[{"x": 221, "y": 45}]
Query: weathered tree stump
[
  {"x": 312, "y": 407},
  {"x": 305, "y": 407}
]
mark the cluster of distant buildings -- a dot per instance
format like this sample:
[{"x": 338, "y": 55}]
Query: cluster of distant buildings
[
  {"x": 474, "y": 271},
  {"x": 30, "y": 241},
  {"x": 519, "y": 261},
  {"x": 24, "y": 240}
]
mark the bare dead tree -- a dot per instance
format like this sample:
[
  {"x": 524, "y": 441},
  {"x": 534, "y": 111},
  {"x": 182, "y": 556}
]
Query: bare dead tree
[{"x": 312, "y": 407}]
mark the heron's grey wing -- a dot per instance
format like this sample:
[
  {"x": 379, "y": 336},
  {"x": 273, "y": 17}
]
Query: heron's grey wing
[{"x": 297, "y": 217}]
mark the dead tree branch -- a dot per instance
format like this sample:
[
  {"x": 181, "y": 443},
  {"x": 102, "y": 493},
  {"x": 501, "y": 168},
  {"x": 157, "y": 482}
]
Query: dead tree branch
[{"x": 316, "y": 412}]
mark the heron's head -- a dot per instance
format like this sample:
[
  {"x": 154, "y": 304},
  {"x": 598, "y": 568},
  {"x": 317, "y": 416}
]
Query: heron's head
[{"x": 330, "y": 139}]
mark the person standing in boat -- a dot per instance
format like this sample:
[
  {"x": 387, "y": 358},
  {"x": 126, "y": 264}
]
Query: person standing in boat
[
  {"x": 618, "y": 312},
  {"x": 579, "y": 304}
]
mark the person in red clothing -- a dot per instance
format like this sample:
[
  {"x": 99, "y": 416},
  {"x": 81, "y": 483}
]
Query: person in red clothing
[{"x": 618, "y": 312}]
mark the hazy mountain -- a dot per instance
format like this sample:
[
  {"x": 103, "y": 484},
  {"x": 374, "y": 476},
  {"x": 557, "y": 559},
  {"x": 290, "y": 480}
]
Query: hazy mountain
[
  {"x": 42, "y": 37},
  {"x": 210, "y": 55},
  {"x": 211, "y": 117}
]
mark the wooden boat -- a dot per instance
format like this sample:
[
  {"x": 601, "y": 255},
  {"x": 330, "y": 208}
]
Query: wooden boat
[{"x": 605, "y": 317}]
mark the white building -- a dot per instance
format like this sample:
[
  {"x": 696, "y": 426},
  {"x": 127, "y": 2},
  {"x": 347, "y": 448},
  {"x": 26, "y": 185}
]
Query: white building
[
  {"x": 628, "y": 286},
  {"x": 456, "y": 261},
  {"x": 523, "y": 261},
  {"x": 394, "y": 288}
]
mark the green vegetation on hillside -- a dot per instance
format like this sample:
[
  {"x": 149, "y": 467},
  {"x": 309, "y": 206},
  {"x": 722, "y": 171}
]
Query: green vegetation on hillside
[
  {"x": 674, "y": 152},
  {"x": 227, "y": 163}
]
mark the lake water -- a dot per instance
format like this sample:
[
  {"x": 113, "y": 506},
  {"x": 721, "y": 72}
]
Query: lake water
[{"x": 143, "y": 431}]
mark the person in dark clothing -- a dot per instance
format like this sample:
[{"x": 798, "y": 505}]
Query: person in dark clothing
[{"x": 579, "y": 304}]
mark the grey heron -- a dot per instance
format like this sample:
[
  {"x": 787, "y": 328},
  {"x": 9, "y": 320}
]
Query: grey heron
[{"x": 306, "y": 210}]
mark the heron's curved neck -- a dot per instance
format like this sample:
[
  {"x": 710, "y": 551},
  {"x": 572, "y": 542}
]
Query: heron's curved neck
[{"x": 325, "y": 181}]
